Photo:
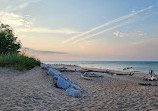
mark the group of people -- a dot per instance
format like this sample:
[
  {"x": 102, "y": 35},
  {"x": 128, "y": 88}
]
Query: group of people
[{"x": 152, "y": 75}]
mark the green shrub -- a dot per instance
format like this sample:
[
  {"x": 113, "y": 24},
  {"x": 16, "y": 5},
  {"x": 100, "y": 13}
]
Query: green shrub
[
  {"x": 18, "y": 61},
  {"x": 8, "y": 41}
]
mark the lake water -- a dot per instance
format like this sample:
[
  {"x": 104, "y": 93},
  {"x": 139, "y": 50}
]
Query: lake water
[{"x": 142, "y": 66}]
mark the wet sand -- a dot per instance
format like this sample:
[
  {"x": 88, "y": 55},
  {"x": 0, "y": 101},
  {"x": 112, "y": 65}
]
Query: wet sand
[{"x": 33, "y": 91}]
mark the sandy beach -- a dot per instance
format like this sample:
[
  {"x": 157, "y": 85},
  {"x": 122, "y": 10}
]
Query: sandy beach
[{"x": 33, "y": 91}]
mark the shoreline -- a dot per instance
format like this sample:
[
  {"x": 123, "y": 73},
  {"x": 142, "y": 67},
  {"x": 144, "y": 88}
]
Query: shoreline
[
  {"x": 138, "y": 66},
  {"x": 113, "y": 65},
  {"x": 73, "y": 66}
]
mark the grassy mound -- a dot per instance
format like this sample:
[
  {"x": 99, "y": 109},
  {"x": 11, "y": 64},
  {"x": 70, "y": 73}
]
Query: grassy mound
[{"x": 19, "y": 61}]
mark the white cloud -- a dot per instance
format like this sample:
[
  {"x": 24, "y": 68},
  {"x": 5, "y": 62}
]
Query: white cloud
[
  {"x": 48, "y": 30},
  {"x": 131, "y": 34},
  {"x": 14, "y": 20},
  {"x": 22, "y": 24}
]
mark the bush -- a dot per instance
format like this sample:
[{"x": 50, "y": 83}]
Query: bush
[
  {"x": 8, "y": 41},
  {"x": 18, "y": 61}
]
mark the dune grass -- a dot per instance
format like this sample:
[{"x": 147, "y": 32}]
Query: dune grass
[{"x": 18, "y": 61}]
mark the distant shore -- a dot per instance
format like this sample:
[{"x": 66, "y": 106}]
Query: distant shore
[{"x": 105, "y": 91}]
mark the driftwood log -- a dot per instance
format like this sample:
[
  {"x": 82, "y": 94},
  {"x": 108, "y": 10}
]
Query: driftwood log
[
  {"x": 148, "y": 84},
  {"x": 87, "y": 78},
  {"x": 87, "y": 70},
  {"x": 92, "y": 75}
]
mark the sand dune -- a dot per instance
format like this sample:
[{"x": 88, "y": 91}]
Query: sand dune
[{"x": 33, "y": 91}]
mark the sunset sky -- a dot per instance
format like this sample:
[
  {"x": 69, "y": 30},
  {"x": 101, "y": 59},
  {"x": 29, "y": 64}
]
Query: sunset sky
[{"x": 85, "y": 30}]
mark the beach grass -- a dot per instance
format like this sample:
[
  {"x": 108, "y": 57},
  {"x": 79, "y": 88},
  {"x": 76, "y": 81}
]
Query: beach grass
[{"x": 18, "y": 61}]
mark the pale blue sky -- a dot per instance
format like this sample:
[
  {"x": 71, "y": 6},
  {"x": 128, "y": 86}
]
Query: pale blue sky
[{"x": 85, "y": 29}]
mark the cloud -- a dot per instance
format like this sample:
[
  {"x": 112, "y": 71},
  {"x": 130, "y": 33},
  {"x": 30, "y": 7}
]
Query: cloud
[
  {"x": 23, "y": 24},
  {"x": 8, "y": 15},
  {"x": 14, "y": 20},
  {"x": 12, "y": 5},
  {"x": 132, "y": 34},
  {"x": 34, "y": 51},
  {"x": 133, "y": 13},
  {"x": 48, "y": 30}
]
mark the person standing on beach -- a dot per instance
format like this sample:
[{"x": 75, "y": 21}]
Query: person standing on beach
[{"x": 151, "y": 73}]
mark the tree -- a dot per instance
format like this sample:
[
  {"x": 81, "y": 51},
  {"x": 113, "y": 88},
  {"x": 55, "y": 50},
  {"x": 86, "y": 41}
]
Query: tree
[{"x": 8, "y": 41}]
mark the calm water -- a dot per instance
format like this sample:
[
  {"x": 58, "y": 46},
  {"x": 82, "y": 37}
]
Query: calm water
[{"x": 142, "y": 66}]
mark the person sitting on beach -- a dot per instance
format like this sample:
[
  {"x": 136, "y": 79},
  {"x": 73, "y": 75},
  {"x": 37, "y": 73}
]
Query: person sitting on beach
[{"x": 131, "y": 74}]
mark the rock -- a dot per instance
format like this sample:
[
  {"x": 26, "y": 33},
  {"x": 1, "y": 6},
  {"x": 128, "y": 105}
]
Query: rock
[
  {"x": 62, "y": 83},
  {"x": 73, "y": 92}
]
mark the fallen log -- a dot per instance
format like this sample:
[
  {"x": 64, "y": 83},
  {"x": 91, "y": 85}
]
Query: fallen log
[
  {"x": 66, "y": 70},
  {"x": 91, "y": 75},
  {"x": 87, "y": 70},
  {"x": 148, "y": 84},
  {"x": 87, "y": 78}
]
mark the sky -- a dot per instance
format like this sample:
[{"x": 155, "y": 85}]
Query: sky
[{"x": 85, "y": 30}]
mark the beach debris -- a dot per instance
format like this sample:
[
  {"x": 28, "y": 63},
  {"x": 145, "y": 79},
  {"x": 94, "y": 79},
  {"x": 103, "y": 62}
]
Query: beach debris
[
  {"x": 148, "y": 84},
  {"x": 127, "y": 68},
  {"x": 66, "y": 70},
  {"x": 73, "y": 65},
  {"x": 61, "y": 68},
  {"x": 62, "y": 82},
  {"x": 87, "y": 70},
  {"x": 87, "y": 78},
  {"x": 92, "y": 75},
  {"x": 118, "y": 73},
  {"x": 131, "y": 73}
]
